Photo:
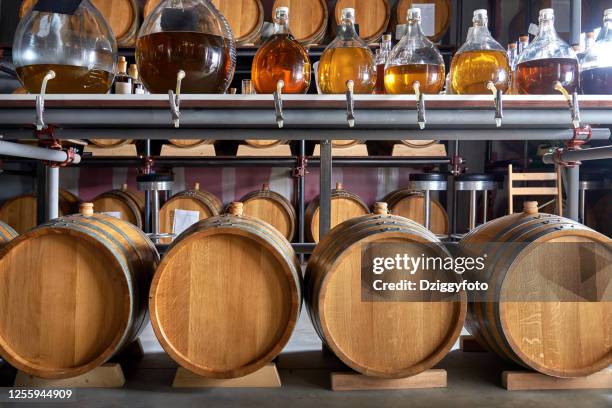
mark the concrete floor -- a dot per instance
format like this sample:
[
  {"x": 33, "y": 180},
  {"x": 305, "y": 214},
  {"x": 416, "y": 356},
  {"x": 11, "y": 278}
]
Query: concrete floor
[{"x": 473, "y": 381}]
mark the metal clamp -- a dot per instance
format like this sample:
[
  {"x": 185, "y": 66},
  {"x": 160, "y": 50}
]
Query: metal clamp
[
  {"x": 175, "y": 100},
  {"x": 572, "y": 101},
  {"x": 301, "y": 168},
  {"x": 420, "y": 98},
  {"x": 499, "y": 103},
  {"x": 278, "y": 103},
  {"x": 350, "y": 103},
  {"x": 40, "y": 101}
]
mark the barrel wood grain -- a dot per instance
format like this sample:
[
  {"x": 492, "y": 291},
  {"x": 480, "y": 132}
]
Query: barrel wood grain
[
  {"x": 372, "y": 16},
  {"x": 442, "y": 18},
  {"x": 128, "y": 204},
  {"x": 409, "y": 204},
  {"x": 273, "y": 208},
  {"x": 307, "y": 19}
]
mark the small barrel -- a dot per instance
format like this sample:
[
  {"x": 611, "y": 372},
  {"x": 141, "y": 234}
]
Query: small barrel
[
  {"x": 389, "y": 339},
  {"x": 372, "y": 16},
  {"x": 245, "y": 17},
  {"x": 82, "y": 298},
  {"x": 262, "y": 144},
  {"x": 123, "y": 16},
  {"x": 204, "y": 203},
  {"x": 410, "y": 204},
  {"x": 109, "y": 143},
  {"x": 441, "y": 9},
  {"x": 528, "y": 260},
  {"x": 187, "y": 143},
  {"x": 7, "y": 233},
  {"x": 339, "y": 144},
  {"x": 21, "y": 212},
  {"x": 231, "y": 312},
  {"x": 307, "y": 19},
  {"x": 344, "y": 206},
  {"x": 123, "y": 204},
  {"x": 272, "y": 208}
]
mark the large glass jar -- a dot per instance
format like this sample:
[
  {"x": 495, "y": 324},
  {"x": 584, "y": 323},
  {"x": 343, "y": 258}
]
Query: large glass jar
[
  {"x": 596, "y": 69},
  {"x": 547, "y": 60},
  {"x": 414, "y": 59},
  {"x": 346, "y": 58},
  {"x": 281, "y": 57},
  {"x": 188, "y": 35},
  {"x": 71, "y": 38},
  {"x": 479, "y": 61}
]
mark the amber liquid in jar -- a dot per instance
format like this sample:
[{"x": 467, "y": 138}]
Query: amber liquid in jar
[
  {"x": 401, "y": 78},
  {"x": 472, "y": 70},
  {"x": 596, "y": 81},
  {"x": 68, "y": 79},
  {"x": 339, "y": 65},
  {"x": 205, "y": 58},
  {"x": 379, "y": 88},
  {"x": 538, "y": 77},
  {"x": 281, "y": 58}
]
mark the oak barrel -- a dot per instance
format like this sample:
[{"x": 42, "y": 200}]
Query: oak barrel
[
  {"x": 410, "y": 204},
  {"x": 203, "y": 202},
  {"x": 562, "y": 335},
  {"x": 262, "y": 144},
  {"x": 601, "y": 214},
  {"x": 80, "y": 300},
  {"x": 187, "y": 143},
  {"x": 442, "y": 10},
  {"x": 109, "y": 143},
  {"x": 346, "y": 143},
  {"x": 123, "y": 203},
  {"x": 245, "y": 17},
  {"x": 21, "y": 212},
  {"x": 6, "y": 233},
  {"x": 372, "y": 16},
  {"x": 227, "y": 295},
  {"x": 123, "y": 16},
  {"x": 307, "y": 19},
  {"x": 273, "y": 208},
  {"x": 344, "y": 206},
  {"x": 388, "y": 338}
]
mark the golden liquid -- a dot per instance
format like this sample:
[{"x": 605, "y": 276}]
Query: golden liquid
[
  {"x": 472, "y": 70},
  {"x": 281, "y": 57},
  {"x": 539, "y": 77},
  {"x": 339, "y": 65},
  {"x": 400, "y": 79},
  {"x": 69, "y": 79}
]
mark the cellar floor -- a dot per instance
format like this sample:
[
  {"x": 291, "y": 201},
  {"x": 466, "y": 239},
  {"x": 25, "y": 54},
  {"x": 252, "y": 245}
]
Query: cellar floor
[{"x": 473, "y": 381}]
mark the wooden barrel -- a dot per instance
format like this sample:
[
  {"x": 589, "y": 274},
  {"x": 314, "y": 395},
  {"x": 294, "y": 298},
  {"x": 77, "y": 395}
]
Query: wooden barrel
[
  {"x": 204, "y": 203},
  {"x": 307, "y": 19},
  {"x": 21, "y": 212},
  {"x": 410, "y": 204},
  {"x": 231, "y": 312},
  {"x": 245, "y": 17},
  {"x": 344, "y": 206},
  {"x": 600, "y": 215},
  {"x": 418, "y": 144},
  {"x": 517, "y": 318},
  {"x": 109, "y": 143},
  {"x": 188, "y": 143},
  {"x": 390, "y": 338},
  {"x": 272, "y": 208},
  {"x": 123, "y": 204},
  {"x": 339, "y": 144},
  {"x": 372, "y": 16},
  {"x": 82, "y": 298},
  {"x": 263, "y": 144},
  {"x": 123, "y": 16},
  {"x": 442, "y": 10},
  {"x": 6, "y": 233}
]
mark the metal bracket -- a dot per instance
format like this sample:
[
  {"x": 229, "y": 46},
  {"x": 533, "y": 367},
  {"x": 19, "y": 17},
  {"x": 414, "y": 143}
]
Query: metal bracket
[
  {"x": 301, "y": 168},
  {"x": 572, "y": 101},
  {"x": 175, "y": 100},
  {"x": 278, "y": 103},
  {"x": 499, "y": 103},
  {"x": 350, "y": 103},
  {"x": 420, "y": 98},
  {"x": 40, "y": 101}
]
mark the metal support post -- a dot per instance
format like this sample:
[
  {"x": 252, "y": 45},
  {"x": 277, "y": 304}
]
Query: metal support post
[
  {"x": 52, "y": 193},
  {"x": 573, "y": 185},
  {"x": 326, "y": 188}
]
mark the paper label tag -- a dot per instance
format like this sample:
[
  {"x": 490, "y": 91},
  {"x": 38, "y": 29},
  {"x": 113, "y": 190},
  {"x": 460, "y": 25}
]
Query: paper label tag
[
  {"x": 61, "y": 7},
  {"x": 184, "y": 219},
  {"x": 428, "y": 18},
  {"x": 115, "y": 214},
  {"x": 123, "y": 88}
]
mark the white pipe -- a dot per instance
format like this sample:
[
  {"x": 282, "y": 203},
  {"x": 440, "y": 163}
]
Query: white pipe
[
  {"x": 595, "y": 153},
  {"x": 33, "y": 152}
]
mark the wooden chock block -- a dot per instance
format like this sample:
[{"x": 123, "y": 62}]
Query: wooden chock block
[
  {"x": 105, "y": 376},
  {"x": 528, "y": 380},
  {"x": 468, "y": 344},
  {"x": 266, "y": 377},
  {"x": 133, "y": 351},
  {"x": 360, "y": 150},
  {"x": 126, "y": 150},
  {"x": 282, "y": 150},
  {"x": 203, "y": 150},
  {"x": 434, "y": 378},
  {"x": 435, "y": 150}
]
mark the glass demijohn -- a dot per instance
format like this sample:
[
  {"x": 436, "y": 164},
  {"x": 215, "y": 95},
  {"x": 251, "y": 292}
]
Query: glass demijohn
[
  {"x": 346, "y": 58},
  {"x": 281, "y": 57},
  {"x": 479, "y": 61},
  {"x": 188, "y": 35},
  {"x": 381, "y": 58},
  {"x": 71, "y": 38},
  {"x": 547, "y": 60},
  {"x": 414, "y": 59},
  {"x": 596, "y": 68}
]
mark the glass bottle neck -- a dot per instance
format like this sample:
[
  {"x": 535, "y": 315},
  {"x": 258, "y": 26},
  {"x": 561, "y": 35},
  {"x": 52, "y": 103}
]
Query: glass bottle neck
[
  {"x": 414, "y": 30},
  {"x": 347, "y": 29},
  {"x": 606, "y": 33},
  {"x": 281, "y": 26},
  {"x": 479, "y": 31},
  {"x": 547, "y": 30}
]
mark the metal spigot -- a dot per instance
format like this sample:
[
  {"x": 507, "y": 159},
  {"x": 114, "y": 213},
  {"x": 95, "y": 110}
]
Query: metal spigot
[
  {"x": 175, "y": 100},
  {"x": 420, "y": 99},
  {"x": 40, "y": 101},
  {"x": 350, "y": 103},
  {"x": 278, "y": 103},
  {"x": 572, "y": 101},
  {"x": 499, "y": 104}
]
